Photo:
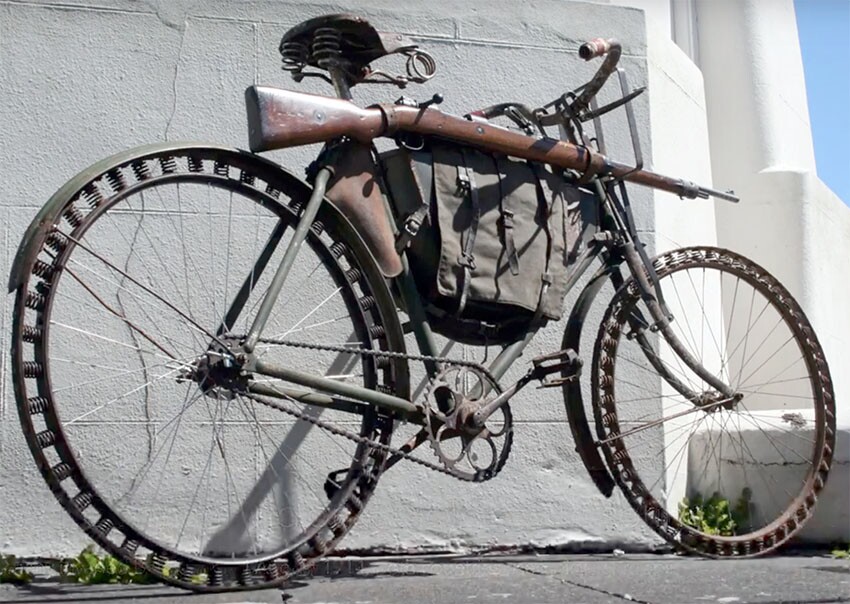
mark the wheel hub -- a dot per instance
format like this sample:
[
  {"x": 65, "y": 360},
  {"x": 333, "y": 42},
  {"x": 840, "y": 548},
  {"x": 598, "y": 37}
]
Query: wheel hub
[
  {"x": 220, "y": 371},
  {"x": 711, "y": 401}
]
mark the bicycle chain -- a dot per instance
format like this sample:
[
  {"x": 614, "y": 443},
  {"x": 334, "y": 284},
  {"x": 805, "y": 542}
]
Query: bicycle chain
[
  {"x": 368, "y": 352},
  {"x": 356, "y": 438}
]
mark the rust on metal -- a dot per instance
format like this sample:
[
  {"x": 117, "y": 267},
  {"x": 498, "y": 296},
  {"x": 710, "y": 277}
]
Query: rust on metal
[{"x": 355, "y": 191}]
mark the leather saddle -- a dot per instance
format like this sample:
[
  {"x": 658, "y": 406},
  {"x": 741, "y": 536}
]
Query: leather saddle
[{"x": 347, "y": 36}]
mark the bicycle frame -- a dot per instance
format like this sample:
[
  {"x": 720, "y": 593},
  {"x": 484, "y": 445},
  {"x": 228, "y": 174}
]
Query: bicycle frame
[
  {"x": 277, "y": 119},
  {"x": 624, "y": 251},
  {"x": 427, "y": 347}
]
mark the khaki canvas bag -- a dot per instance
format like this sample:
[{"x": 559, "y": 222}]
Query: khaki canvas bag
[{"x": 491, "y": 238}]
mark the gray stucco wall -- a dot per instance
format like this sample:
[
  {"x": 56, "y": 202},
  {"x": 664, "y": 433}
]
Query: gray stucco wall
[{"x": 81, "y": 80}]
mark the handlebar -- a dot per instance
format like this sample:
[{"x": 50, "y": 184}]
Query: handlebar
[{"x": 597, "y": 47}]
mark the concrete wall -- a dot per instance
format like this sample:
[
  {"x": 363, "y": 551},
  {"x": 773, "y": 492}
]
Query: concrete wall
[{"x": 84, "y": 80}]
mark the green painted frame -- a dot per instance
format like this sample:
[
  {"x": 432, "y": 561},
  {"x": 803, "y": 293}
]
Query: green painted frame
[{"x": 404, "y": 408}]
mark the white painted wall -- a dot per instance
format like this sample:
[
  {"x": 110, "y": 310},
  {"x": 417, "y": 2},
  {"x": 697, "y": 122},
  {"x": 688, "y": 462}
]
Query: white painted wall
[
  {"x": 177, "y": 71},
  {"x": 84, "y": 80}
]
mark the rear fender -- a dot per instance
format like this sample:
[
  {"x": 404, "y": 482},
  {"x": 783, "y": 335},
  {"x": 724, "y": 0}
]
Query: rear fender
[{"x": 354, "y": 190}]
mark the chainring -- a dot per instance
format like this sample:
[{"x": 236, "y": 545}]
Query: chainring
[{"x": 466, "y": 453}]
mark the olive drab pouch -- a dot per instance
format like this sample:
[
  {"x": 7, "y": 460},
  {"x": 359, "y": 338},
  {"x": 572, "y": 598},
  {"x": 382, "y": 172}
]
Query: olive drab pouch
[{"x": 490, "y": 238}]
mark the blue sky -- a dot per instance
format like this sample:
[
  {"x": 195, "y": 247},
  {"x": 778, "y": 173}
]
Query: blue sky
[{"x": 824, "y": 28}]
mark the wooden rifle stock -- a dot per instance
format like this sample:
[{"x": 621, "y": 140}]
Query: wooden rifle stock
[{"x": 283, "y": 118}]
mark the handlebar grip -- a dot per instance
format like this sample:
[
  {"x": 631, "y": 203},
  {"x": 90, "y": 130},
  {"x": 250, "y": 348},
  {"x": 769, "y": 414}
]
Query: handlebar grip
[
  {"x": 594, "y": 48},
  {"x": 597, "y": 47}
]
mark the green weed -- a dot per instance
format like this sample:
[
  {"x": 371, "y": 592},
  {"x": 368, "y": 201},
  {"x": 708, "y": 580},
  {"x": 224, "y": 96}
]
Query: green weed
[
  {"x": 715, "y": 515},
  {"x": 10, "y": 572},
  {"x": 842, "y": 553},
  {"x": 91, "y": 568}
]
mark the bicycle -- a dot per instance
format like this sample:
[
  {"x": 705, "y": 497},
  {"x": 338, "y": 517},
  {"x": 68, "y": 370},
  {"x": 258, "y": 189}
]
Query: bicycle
[{"x": 670, "y": 415}]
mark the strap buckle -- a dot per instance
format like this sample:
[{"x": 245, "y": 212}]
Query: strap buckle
[
  {"x": 466, "y": 260},
  {"x": 412, "y": 225},
  {"x": 464, "y": 183}
]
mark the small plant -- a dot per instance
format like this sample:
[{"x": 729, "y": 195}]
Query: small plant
[
  {"x": 93, "y": 569},
  {"x": 715, "y": 515},
  {"x": 10, "y": 572},
  {"x": 841, "y": 553},
  {"x": 89, "y": 568}
]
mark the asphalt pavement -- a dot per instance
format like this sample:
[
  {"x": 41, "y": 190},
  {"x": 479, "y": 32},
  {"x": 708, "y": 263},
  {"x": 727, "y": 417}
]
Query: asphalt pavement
[{"x": 525, "y": 579}]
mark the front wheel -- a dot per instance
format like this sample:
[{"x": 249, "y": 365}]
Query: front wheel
[
  {"x": 137, "y": 417},
  {"x": 712, "y": 475}
]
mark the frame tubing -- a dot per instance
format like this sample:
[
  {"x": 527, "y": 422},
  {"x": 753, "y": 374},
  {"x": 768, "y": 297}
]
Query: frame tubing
[
  {"x": 380, "y": 399},
  {"x": 252, "y": 278},
  {"x": 304, "y": 224},
  {"x": 418, "y": 320},
  {"x": 308, "y": 398}
]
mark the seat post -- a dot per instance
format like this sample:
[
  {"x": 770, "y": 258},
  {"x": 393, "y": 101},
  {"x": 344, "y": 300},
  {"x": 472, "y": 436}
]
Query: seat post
[{"x": 340, "y": 82}]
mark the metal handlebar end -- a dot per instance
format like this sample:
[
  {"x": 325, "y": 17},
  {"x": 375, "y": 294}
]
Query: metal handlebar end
[{"x": 594, "y": 48}]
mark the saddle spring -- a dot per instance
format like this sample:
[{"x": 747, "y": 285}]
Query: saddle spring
[
  {"x": 294, "y": 56},
  {"x": 326, "y": 47}
]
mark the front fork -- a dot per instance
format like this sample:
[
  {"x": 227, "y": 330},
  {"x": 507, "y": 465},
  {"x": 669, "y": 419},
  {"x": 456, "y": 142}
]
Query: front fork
[{"x": 649, "y": 286}]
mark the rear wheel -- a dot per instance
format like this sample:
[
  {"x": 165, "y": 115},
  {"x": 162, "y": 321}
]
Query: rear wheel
[
  {"x": 720, "y": 477},
  {"x": 150, "y": 268}
]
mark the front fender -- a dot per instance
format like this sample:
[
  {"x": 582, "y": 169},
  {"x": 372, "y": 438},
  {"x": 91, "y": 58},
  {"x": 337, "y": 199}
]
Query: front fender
[{"x": 579, "y": 426}]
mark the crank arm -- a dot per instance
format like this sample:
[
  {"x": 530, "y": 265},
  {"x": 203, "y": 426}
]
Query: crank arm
[
  {"x": 408, "y": 447},
  {"x": 480, "y": 417},
  {"x": 566, "y": 363}
]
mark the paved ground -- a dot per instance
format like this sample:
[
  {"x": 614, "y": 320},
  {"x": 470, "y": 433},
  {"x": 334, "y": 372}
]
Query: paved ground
[{"x": 655, "y": 579}]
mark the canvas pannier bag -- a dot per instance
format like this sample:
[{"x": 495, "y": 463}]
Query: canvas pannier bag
[{"x": 490, "y": 238}]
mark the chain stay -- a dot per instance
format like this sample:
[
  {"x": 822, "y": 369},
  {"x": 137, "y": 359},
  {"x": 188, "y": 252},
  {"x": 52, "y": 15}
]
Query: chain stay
[{"x": 356, "y": 438}]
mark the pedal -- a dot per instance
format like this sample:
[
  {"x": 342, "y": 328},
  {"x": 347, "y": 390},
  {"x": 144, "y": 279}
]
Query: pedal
[{"x": 566, "y": 363}]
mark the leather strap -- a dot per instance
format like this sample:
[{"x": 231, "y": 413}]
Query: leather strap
[
  {"x": 421, "y": 166},
  {"x": 547, "y": 198},
  {"x": 507, "y": 218},
  {"x": 466, "y": 182}
]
